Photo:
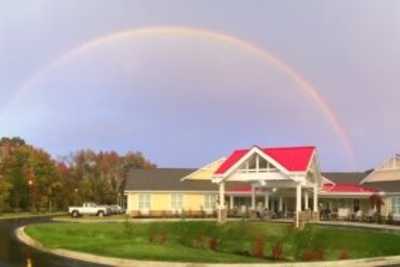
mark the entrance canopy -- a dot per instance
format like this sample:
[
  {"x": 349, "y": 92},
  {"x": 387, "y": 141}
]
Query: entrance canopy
[
  {"x": 266, "y": 170},
  {"x": 271, "y": 167}
]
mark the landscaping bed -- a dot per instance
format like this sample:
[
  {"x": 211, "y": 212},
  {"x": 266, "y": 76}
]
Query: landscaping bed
[{"x": 241, "y": 241}]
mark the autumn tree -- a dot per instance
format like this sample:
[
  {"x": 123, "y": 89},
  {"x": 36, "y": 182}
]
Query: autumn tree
[
  {"x": 31, "y": 174},
  {"x": 5, "y": 188},
  {"x": 31, "y": 179},
  {"x": 101, "y": 177}
]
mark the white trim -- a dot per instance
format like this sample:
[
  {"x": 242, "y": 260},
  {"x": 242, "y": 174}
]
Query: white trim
[
  {"x": 168, "y": 191},
  {"x": 253, "y": 150},
  {"x": 206, "y": 168},
  {"x": 327, "y": 180},
  {"x": 311, "y": 161}
]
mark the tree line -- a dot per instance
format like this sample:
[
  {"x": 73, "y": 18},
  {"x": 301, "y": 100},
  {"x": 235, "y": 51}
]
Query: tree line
[{"x": 31, "y": 180}]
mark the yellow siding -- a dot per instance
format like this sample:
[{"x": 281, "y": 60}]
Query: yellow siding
[
  {"x": 132, "y": 202},
  {"x": 161, "y": 201},
  {"x": 193, "y": 201}
]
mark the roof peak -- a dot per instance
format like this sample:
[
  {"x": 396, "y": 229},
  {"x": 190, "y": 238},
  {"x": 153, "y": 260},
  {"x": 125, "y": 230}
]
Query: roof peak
[{"x": 277, "y": 147}]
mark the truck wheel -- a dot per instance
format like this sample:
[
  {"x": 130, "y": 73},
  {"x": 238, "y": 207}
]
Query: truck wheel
[
  {"x": 75, "y": 214},
  {"x": 100, "y": 214}
]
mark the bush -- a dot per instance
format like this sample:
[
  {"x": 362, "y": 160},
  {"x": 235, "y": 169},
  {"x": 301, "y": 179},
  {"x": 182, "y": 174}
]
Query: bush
[
  {"x": 213, "y": 244},
  {"x": 158, "y": 238},
  {"x": 302, "y": 240},
  {"x": 200, "y": 242},
  {"x": 157, "y": 234},
  {"x": 277, "y": 251},
  {"x": 314, "y": 255},
  {"x": 258, "y": 247},
  {"x": 344, "y": 255}
]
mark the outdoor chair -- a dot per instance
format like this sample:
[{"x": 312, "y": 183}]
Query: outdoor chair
[
  {"x": 358, "y": 216},
  {"x": 343, "y": 213},
  {"x": 371, "y": 215}
]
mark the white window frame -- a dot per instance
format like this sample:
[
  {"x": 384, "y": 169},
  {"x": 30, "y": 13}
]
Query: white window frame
[
  {"x": 245, "y": 167},
  {"x": 144, "y": 202},
  {"x": 177, "y": 201},
  {"x": 210, "y": 202},
  {"x": 396, "y": 205}
]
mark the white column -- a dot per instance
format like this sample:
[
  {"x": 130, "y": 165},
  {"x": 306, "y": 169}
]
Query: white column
[
  {"x": 306, "y": 206},
  {"x": 315, "y": 197},
  {"x": 298, "y": 203},
  {"x": 231, "y": 202},
  {"x": 266, "y": 200},
  {"x": 221, "y": 208},
  {"x": 222, "y": 195},
  {"x": 253, "y": 197},
  {"x": 280, "y": 208}
]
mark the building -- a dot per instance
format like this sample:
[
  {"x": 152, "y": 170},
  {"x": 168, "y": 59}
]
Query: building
[{"x": 285, "y": 181}]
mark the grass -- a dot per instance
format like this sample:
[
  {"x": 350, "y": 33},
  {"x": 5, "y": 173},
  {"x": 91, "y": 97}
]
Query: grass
[
  {"x": 190, "y": 241},
  {"x": 23, "y": 215},
  {"x": 113, "y": 218}
]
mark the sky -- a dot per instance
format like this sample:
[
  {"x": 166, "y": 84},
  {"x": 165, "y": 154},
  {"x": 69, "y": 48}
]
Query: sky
[{"x": 187, "y": 98}]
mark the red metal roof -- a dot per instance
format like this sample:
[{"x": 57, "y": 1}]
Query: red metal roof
[
  {"x": 347, "y": 188},
  {"x": 291, "y": 158}
]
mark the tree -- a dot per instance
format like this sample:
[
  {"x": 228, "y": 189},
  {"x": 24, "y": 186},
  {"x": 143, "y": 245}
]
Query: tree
[
  {"x": 32, "y": 179},
  {"x": 4, "y": 194},
  {"x": 101, "y": 177},
  {"x": 32, "y": 174}
]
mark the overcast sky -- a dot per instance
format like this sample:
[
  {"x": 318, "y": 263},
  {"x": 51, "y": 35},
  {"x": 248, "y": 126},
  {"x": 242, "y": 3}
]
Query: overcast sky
[{"x": 187, "y": 100}]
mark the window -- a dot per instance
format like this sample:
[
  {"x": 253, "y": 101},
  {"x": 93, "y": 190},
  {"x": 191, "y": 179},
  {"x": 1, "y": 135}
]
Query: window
[
  {"x": 253, "y": 162},
  {"x": 263, "y": 164},
  {"x": 144, "y": 201},
  {"x": 396, "y": 205},
  {"x": 356, "y": 205},
  {"x": 177, "y": 201},
  {"x": 209, "y": 201}
]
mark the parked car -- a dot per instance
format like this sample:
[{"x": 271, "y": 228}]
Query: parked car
[
  {"x": 89, "y": 208},
  {"x": 116, "y": 209}
]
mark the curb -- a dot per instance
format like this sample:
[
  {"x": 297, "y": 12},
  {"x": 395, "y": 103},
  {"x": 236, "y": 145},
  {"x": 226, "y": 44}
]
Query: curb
[{"x": 86, "y": 257}]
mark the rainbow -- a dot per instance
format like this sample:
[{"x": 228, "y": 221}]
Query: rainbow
[{"x": 305, "y": 86}]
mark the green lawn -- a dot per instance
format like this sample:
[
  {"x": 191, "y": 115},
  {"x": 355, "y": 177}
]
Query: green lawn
[
  {"x": 209, "y": 242},
  {"x": 22, "y": 215}
]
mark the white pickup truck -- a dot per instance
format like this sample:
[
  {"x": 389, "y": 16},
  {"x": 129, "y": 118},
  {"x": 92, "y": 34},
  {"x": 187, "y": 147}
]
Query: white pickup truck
[{"x": 89, "y": 208}]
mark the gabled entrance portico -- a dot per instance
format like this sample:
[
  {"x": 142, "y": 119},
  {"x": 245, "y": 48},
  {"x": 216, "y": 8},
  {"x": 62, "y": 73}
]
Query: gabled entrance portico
[{"x": 271, "y": 171}]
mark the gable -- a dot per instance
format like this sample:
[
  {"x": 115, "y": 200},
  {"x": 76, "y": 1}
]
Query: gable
[
  {"x": 206, "y": 172},
  {"x": 257, "y": 163},
  {"x": 388, "y": 171},
  {"x": 293, "y": 159}
]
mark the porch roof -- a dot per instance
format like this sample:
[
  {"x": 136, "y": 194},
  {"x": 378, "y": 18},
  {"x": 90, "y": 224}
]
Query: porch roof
[{"x": 347, "y": 188}]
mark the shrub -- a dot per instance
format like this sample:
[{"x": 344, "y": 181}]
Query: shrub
[
  {"x": 258, "y": 247},
  {"x": 314, "y": 255},
  {"x": 157, "y": 234},
  {"x": 277, "y": 251},
  {"x": 158, "y": 238},
  {"x": 162, "y": 238},
  {"x": 213, "y": 244},
  {"x": 302, "y": 240},
  {"x": 344, "y": 255},
  {"x": 199, "y": 242}
]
